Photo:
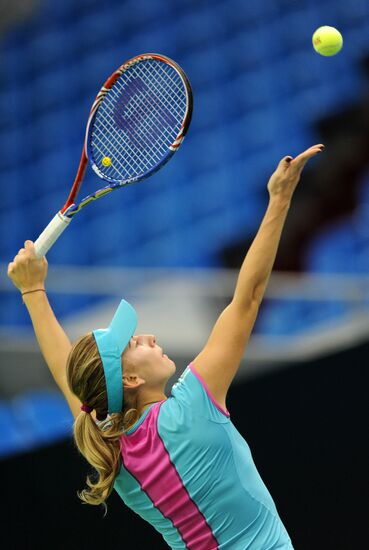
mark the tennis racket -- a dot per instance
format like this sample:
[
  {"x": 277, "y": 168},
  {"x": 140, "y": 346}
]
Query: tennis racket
[{"x": 136, "y": 123}]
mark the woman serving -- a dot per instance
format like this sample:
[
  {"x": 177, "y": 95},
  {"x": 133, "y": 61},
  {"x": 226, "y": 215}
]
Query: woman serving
[{"x": 177, "y": 461}]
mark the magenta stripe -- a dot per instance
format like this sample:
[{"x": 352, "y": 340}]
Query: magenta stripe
[
  {"x": 224, "y": 411},
  {"x": 147, "y": 460}
]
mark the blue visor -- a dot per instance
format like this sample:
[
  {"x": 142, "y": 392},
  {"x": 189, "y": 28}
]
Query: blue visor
[{"x": 111, "y": 342}]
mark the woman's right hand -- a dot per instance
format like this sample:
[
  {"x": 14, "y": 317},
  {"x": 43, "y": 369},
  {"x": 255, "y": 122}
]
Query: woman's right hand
[
  {"x": 27, "y": 271},
  {"x": 284, "y": 180}
]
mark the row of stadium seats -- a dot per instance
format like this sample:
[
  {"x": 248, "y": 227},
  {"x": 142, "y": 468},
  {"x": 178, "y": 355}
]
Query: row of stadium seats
[
  {"x": 254, "y": 100},
  {"x": 86, "y": 29},
  {"x": 46, "y": 116},
  {"x": 344, "y": 247},
  {"x": 281, "y": 319},
  {"x": 33, "y": 419}
]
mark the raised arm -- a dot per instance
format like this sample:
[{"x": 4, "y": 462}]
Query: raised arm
[
  {"x": 218, "y": 362},
  {"x": 28, "y": 274}
]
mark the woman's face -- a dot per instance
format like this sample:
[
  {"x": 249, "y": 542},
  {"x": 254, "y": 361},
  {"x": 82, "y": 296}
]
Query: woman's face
[{"x": 144, "y": 358}]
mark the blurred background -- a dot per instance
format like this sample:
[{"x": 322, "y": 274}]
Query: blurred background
[{"x": 173, "y": 245}]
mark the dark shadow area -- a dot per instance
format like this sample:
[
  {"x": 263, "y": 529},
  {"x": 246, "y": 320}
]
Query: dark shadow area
[{"x": 327, "y": 191}]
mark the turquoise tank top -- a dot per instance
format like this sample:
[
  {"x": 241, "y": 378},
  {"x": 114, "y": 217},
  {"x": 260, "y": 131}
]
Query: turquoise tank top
[{"x": 188, "y": 472}]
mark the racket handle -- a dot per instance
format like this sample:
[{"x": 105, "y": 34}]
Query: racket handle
[{"x": 51, "y": 233}]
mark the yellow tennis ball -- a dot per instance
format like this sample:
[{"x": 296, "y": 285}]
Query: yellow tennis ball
[
  {"x": 106, "y": 161},
  {"x": 327, "y": 41}
]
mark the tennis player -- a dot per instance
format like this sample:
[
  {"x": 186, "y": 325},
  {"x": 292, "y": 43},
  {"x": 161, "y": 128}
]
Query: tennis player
[{"x": 177, "y": 461}]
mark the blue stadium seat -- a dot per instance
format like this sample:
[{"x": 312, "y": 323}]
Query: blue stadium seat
[
  {"x": 96, "y": 27},
  {"x": 17, "y": 103},
  {"x": 12, "y": 150},
  {"x": 279, "y": 318},
  {"x": 196, "y": 28},
  {"x": 334, "y": 250},
  {"x": 144, "y": 12},
  {"x": 245, "y": 49},
  {"x": 291, "y": 317},
  {"x": 58, "y": 12},
  {"x": 12, "y": 439},
  {"x": 113, "y": 231},
  {"x": 12, "y": 225},
  {"x": 43, "y": 413},
  {"x": 206, "y": 148},
  {"x": 258, "y": 128},
  {"x": 363, "y": 196},
  {"x": 54, "y": 88},
  {"x": 50, "y": 49},
  {"x": 49, "y": 133},
  {"x": 297, "y": 26},
  {"x": 356, "y": 41},
  {"x": 15, "y": 182},
  {"x": 7, "y": 112},
  {"x": 88, "y": 5}
]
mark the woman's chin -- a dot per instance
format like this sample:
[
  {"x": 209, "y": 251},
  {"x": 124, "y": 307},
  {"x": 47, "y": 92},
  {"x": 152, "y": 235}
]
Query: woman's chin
[{"x": 165, "y": 356}]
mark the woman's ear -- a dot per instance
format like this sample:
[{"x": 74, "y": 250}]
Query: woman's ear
[{"x": 132, "y": 382}]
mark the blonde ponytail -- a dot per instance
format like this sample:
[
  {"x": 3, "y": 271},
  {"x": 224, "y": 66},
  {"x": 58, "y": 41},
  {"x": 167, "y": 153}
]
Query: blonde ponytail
[{"x": 99, "y": 444}]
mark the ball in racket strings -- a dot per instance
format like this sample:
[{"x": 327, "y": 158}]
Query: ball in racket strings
[{"x": 106, "y": 161}]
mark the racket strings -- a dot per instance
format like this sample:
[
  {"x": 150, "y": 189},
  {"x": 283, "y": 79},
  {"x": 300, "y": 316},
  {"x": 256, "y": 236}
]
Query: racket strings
[
  {"x": 149, "y": 122},
  {"x": 138, "y": 120},
  {"x": 150, "y": 101},
  {"x": 167, "y": 87},
  {"x": 141, "y": 134},
  {"x": 120, "y": 160},
  {"x": 102, "y": 145}
]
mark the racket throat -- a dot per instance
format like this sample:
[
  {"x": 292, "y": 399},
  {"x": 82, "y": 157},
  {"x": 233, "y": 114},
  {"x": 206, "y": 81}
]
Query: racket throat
[{"x": 77, "y": 182}]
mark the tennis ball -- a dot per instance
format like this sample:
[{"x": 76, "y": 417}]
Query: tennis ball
[
  {"x": 327, "y": 41},
  {"x": 106, "y": 161}
]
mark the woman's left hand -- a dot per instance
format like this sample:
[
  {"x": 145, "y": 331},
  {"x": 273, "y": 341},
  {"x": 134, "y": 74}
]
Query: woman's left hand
[{"x": 284, "y": 180}]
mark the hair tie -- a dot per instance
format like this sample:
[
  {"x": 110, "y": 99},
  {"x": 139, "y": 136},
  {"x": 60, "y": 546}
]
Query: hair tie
[{"x": 86, "y": 409}]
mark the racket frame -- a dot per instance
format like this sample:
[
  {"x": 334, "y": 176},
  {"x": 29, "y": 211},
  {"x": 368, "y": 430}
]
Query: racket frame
[
  {"x": 62, "y": 219},
  {"x": 108, "y": 84}
]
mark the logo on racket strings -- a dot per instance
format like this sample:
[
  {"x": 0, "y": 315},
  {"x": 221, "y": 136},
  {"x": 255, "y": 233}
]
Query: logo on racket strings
[{"x": 142, "y": 114}]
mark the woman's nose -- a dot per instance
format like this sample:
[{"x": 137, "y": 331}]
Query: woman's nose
[
  {"x": 152, "y": 339},
  {"x": 147, "y": 339}
]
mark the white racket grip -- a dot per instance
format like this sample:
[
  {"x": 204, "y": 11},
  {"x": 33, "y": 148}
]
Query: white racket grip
[{"x": 50, "y": 234}]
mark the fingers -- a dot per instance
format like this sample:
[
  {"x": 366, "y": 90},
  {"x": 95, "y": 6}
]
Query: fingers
[
  {"x": 27, "y": 252},
  {"x": 303, "y": 157},
  {"x": 287, "y": 175},
  {"x": 10, "y": 268},
  {"x": 27, "y": 270},
  {"x": 284, "y": 163},
  {"x": 314, "y": 150},
  {"x": 294, "y": 166},
  {"x": 21, "y": 253},
  {"x": 30, "y": 248}
]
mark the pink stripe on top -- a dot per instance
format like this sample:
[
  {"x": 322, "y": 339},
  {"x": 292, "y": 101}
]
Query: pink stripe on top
[
  {"x": 224, "y": 411},
  {"x": 146, "y": 458}
]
